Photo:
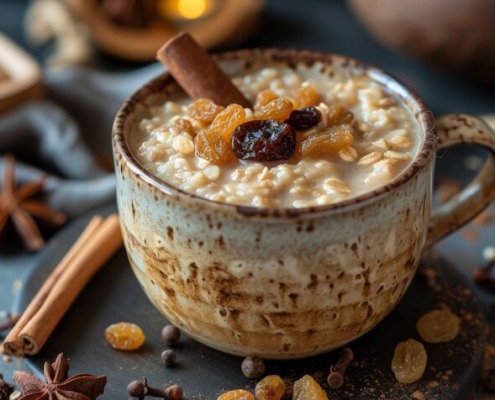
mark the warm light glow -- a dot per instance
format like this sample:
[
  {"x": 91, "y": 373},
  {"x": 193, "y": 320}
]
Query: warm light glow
[
  {"x": 191, "y": 9},
  {"x": 185, "y": 9}
]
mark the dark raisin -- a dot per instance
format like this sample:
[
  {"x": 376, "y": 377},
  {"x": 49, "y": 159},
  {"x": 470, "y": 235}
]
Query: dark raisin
[
  {"x": 339, "y": 115},
  {"x": 264, "y": 140},
  {"x": 304, "y": 118}
]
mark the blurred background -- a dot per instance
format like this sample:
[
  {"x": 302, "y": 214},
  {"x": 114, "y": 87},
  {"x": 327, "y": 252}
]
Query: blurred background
[{"x": 407, "y": 38}]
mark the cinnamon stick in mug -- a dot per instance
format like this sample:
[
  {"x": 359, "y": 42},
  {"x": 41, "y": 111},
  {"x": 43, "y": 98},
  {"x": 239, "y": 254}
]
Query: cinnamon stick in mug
[{"x": 197, "y": 73}]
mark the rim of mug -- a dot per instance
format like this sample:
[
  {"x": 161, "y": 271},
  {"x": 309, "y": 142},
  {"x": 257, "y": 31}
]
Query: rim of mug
[{"x": 408, "y": 96}]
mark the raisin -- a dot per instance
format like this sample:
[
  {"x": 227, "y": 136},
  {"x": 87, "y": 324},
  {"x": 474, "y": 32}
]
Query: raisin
[
  {"x": 210, "y": 146},
  {"x": 264, "y": 140},
  {"x": 237, "y": 394},
  {"x": 324, "y": 143},
  {"x": 304, "y": 118},
  {"x": 227, "y": 120},
  {"x": 271, "y": 387},
  {"x": 409, "y": 361},
  {"x": 339, "y": 115},
  {"x": 438, "y": 326},
  {"x": 278, "y": 109},
  {"x": 204, "y": 110},
  {"x": 263, "y": 98},
  {"x": 181, "y": 125},
  {"x": 124, "y": 336},
  {"x": 305, "y": 96},
  {"x": 307, "y": 388}
]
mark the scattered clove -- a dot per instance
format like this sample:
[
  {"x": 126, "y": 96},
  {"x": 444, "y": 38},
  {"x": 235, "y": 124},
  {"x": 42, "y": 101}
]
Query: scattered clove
[
  {"x": 5, "y": 388},
  {"x": 336, "y": 376},
  {"x": 140, "y": 390},
  {"x": 174, "y": 392}
]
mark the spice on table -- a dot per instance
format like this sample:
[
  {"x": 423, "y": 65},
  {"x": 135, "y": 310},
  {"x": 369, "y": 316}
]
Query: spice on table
[
  {"x": 169, "y": 358},
  {"x": 17, "y": 205},
  {"x": 99, "y": 241},
  {"x": 58, "y": 384},
  {"x": 253, "y": 367},
  {"x": 170, "y": 334},
  {"x": 140, "y": 390},
  {"x": 174, "y": 392},
  {"x": 336, "y": 376},
  {"x": 5, "y": 389}
]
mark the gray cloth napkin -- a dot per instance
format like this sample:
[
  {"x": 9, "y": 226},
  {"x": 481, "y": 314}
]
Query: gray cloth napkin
[{"x": 60, "y": 136}]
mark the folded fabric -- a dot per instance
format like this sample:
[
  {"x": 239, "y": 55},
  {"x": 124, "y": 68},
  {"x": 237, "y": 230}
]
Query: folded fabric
[{"x": 63, "y": 136}]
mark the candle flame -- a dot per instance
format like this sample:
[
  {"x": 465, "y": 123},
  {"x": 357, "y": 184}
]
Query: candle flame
[
  {"x": 185, "y": 9},
  {"x": 191, "y": 9}
]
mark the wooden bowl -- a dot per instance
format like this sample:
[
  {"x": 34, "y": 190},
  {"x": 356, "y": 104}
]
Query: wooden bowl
[
  {"x": 20, "y": 76},
  {"x": 456, "y": 35},
  {"x": 231, "y": 22}
]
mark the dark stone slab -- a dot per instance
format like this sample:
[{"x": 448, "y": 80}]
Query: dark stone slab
[{"x": 114, "y": 295}]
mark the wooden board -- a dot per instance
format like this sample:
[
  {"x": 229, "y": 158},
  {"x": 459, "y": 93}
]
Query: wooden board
[
  {"x": 20, "y": 76},
  {"x": 114, "y": 295}
]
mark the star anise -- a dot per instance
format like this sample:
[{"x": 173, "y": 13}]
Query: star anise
[
  {"x": 16, "y": 204},
  {"x": 58, "y": 385},
  {"x": 5, "y": 389}
]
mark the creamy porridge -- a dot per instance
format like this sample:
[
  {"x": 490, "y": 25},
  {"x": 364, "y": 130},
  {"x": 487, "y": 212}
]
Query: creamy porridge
[{"x": 315, "y": 136}]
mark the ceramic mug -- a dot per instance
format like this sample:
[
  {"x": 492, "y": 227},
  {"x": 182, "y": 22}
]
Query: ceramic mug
[{"x": 288, "y": 283}]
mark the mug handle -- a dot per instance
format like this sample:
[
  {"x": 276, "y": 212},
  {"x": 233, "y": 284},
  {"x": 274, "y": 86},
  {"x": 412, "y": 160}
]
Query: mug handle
[{"x": 453, "y": 129}]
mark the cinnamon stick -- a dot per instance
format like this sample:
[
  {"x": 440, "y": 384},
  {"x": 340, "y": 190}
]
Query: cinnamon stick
[
  {"x": 94, "y": 247},
  {"x": 13, "y": 345},
  {"x": 197, "y": 73}
]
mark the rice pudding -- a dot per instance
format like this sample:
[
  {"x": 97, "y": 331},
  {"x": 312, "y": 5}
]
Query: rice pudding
[{"x": 344, "y": 135}]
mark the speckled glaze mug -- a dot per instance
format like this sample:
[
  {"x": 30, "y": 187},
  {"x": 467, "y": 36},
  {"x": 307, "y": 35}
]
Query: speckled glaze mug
[{"x": 288, "y": 283}]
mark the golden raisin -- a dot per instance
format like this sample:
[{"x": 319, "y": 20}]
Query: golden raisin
[
  {"x": 210, "y": 146},
  {"x": 324, "y": 143},
  {"x": 237, "y": 394},
  {"x": 438, "y": 326},
  {"x": 227, "y": 120},
  {"x": 124, "y": 336},
  {"x": 278, "y": 109},
  {"x": 204, "y": 110},
  {"x": 271, "y": 387},
  {"x": 339, "y": 115},
  {"x": 264, "y": 97},
  {"x": 307, "y": 388},
  {"x": 305, "y": 96},
  {"x": 181, "y": 125},
  {"x": 409, "y": 361}
]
